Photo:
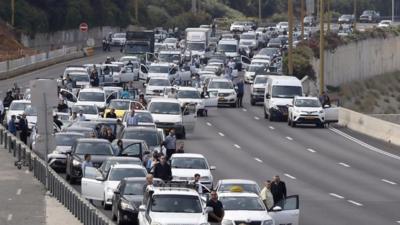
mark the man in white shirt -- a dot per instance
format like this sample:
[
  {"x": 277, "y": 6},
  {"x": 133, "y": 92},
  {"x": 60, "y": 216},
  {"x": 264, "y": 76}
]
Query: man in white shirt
[
  {"x": 132, "y": 119},
  {"x": 81, "y": 117},
  {"x": 197, "y": 183}
]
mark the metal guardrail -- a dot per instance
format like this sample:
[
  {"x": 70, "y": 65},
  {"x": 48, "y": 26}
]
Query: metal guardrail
[{"x": 81, "y": 208}]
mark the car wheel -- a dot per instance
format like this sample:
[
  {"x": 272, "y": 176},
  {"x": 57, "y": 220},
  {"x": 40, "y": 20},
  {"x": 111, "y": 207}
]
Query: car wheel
[
  {"x": 293, "y": 124},
  {"x": 265, "y": 115},
  {"x": 253, "y": 102},
  {"x": 321, "y": 125},
  {"x": 271, "y": 117}
]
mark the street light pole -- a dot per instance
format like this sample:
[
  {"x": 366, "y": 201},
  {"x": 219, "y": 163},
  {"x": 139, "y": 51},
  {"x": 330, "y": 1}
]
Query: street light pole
[
  {"x": 355, "y": 15},
  {"x": 137, "y": 10},
  {"x": 12, "y": 12},
  {"x": 302, "y": 19},
  {"x": 321, "y": 49},
  {"x": 290, "y": 54},
  {"x": 329, "y": 15},
  {"x": 259, "y": 10},
  {"x": 393, "y": 11}
]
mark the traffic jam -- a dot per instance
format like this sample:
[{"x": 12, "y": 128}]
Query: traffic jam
[{"x": 120, "y": 126}]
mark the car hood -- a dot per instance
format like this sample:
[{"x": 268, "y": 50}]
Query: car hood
[
  {"x": 166, "y": 118},
  {"x": 223, "y": 91},
  {"x": 150, "y": 88},
  {"x": 63, "y": 149},
  {"x": 259, "y": 85},
  {"x": 231, "y": 54},
  {"x": 134, "y": 199},
  {"x": 97, "y": 160},
  {"x": 189, "y": 173},
  {"x": 282, "y": 101},
  {"x": 244, "y": 215},
  {"x": 308, "y": 109},
  {"x": 190, "y": 100},
  {"x": 97, "y": 104},
  {"x": 157, "y": 75},
  {"x": 178, "y": 218}
]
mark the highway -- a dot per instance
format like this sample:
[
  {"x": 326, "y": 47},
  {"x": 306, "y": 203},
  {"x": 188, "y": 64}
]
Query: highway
[{"x": 342, "y": 177}]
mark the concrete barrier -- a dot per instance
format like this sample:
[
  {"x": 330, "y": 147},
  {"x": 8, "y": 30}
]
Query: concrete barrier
[{"x": 371, "y": 126}]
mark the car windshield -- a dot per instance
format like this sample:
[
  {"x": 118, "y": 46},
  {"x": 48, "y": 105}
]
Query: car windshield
[
  {"x": 105, "y": 167},
  {"x": 133, "y": 188},
  {"x": 189, "y": 163},
  {"x": 252, "y": 188},
  {"x": 275, "y": 40},
  {"x": 165, "y": 108},
  {"x": 312, "y": 103},
  {"x": 159, "y": 69},
  {"x": 256, "y": 68},
  {"x": 66, "y": 140},
  {"x": 79, "y": 77},
  {"x": 91, "y": 97},
  {"x": 19, "y": 106},
  {"x": 220, "y": 85},
  {"x": 119, "y": 105},
  {"x": 195, "y": 46},
  {"x": 144, "y": 117},
  {"x": 188, "y": 94},
  {"x": 150, "y": 137},
  {"x": 242, "y": 203},
  {"x": 118, "y": 174},
  {"x": 286, "y": 91},
  {"x": 169, "y": 57},
  {"x": 137, "y": 48},
  {"x": 159, "y": 82},
  {"x": 260, "y": 80},
  {"x": 268, "y": 51},
  {"x": 132, "y": 150},
  {"x": 120, "y": 35},
  {"x": 93, "y": 148},
  {"x": 247, "y": 36},
  {"x": 86, "y": 109},
  {"x": 226, "y": 48},
  {"x": 170, "y": 40},
  {"x": 346, "y": 16},
  {"x": 31, "y": 111},
  {"x": 176, "y": 204}
]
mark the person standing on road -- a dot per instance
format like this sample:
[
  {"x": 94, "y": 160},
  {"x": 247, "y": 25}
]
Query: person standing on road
[
  {"x": 266, "y": 195},
  {"x": 8, "y": 99},
  {"x": 215, "y": 217},
  {"x": 86, "y": 163},
  {"x": 23, "y": 126},
  {"x": 109, "y": 135},
  {"x": 148, "y": 185},
  {"x": 62, "y": 107},
  {"x": 1, "y": 111},
  {"x": 240, "y": 92},
  {"x": 278, "y": 189},
  {"x": 170, "y": 143},
  {"x": 120, "y": 127},
  {"x": 197, "y": 183},
  {"x": 73, "y": 117},
  {"x": 162, "y": 170},
  {"x": 12, "y": 127},
  {"x": 325, "y": 100},
  {"x": 132, "y": 119},
  {"x": 57, "y": 121},
  {"x": 111, "y": 114}
]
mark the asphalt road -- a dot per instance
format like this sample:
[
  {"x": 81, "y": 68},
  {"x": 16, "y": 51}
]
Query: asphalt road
[{"x": 342, "y": 177}]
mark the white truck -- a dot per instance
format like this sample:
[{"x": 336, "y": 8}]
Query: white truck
[{"x": 197, "y": 40}]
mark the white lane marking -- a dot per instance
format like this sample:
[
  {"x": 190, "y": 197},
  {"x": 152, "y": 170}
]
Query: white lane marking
[
  {"x": 257, "y": 118},
  {"x": 311, "y": 150},
  {"x": 289, "y": 138},
  {"x": 236, "y": 146},
  {"x": 355, "y": 203},
  {"x": 290, "y": 176},
  {"x": 26, "y": 171},
  {"x": 344, "y": 164},
  {"x": 19, "y": 191},
  {"x": 258, "y": 160},
  {"x": 336, "y": 195},
  {"x": 389, "y": 182},
  {"x": 271, "y": 127},
  {"x": 9, "y": 217},
  {"x": 244, "y": 110},
  {"x": 398, "y": 221},
  {"x": 221, "y": 134},
  {"x": 370, "y": 147},
  {"x": 209, "y": 124},
  {"x": 10, "y": 199}
]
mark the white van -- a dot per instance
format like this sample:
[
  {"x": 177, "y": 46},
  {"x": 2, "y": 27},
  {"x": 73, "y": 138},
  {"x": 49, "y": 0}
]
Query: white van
[
  {"x": 279, "y": 94},
  {"x": 230, "y": 47}
]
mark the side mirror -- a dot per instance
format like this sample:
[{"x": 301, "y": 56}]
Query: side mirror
[
  {"x": 145, "y": 85},
  {"x": 142, "y": 208},
  {"x": 213, "y": 168},
  {"x": 99, "y": 178},
  {"x": 326, "y": 106},
  {"x": 208, "y": 210},
  {"x": 277, "y": 209},
  {"x": 116, "y": 192},
  {"x": 267, "y": 96}
]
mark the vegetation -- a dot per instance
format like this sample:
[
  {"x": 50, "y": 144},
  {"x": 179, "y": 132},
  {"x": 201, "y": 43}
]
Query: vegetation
[{"x": 302, "y": 56}]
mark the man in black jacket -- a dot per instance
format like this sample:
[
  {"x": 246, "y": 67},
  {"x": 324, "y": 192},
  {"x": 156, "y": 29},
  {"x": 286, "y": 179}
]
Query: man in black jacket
[
  {"x": 23, "y": 127},
  {"x": 278, "y": 189},
  {"x": 162, "y": 170}
]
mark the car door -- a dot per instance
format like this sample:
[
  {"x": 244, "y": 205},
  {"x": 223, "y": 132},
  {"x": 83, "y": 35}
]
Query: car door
[
  {"x": 331, "y": 114},
  {"x": 112, "y": 96},
  {"x": 150, "y": 58},
  {"x": 69, "y": 97},
  {"x": 143, "y": 72},
  {"x": 211, "y": 101},
  {"x": 245, "y": 61},
  {"x": 189, "y": 117},
  {"x": 289, "y": 212},
  {"x": 91, "y": 187}
]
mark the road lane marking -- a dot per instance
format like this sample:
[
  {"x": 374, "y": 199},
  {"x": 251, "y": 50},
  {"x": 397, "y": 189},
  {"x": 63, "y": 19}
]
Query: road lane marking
[
  {"x": 19, "y": 191},
  {"x": 336, "y": 195},
  {"x": 398, "y": 221},
  {"x": 26, "y": 171},
  {"x": 209, "y": 124},
  {"x": 257, "y": 118},
  {"x": 289, "y": 138},
  {"x": 370, "y": 147},
  {"x": 290, "y": 176},
  {"x": 258, "y": 160},
  {"x": 9, "y": 217},
  {"x": 236, "y": 146},
  {"x": 355, "y": 203},
  {"x": 344, "y": 164},
  {"x": 221, "y": 134},
  {"x": 244, "y": 110},
  {"x": 271, "y": 127},
  {"x": 311, "y": 150},
  {"x": 389, "y": 182}
]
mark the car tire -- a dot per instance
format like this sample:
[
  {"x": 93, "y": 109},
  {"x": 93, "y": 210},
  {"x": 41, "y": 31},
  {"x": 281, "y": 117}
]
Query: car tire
[
  {"x": 320, "y": 125},
  {"x": 253, "y": 102},
  {"x": 271, "y": 117},
  {"x": 105, "y": 206},
  {"x": 293, "y": 124},
  {"x": 265, "y": 114}
]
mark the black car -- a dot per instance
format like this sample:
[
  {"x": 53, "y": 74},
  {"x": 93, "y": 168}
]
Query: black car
[
  {"x": 127, "y": 198},
  {"x": 99, "y": 149},
  {"x": 150, "y": 135}
]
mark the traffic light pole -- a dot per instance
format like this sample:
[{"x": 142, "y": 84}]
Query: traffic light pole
[
  {"x": 321, "y": 49},
  {"x": 290, "y": 53}
]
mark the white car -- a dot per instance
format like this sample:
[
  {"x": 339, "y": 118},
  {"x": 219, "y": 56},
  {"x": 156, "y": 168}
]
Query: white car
[
  {"x": 125, "y": 59},
  {"x": 166, "y": 206},
  {"x": 160, "y": 70},
  {"x": 308, "y": 110},
  {"x": 95, "y": 186},
  {"x": 17, "y": 107},
  {"x": 156, "y": 86},
  {"x": 171, "y": 42},
  {"x": 226, "y": 91},
  {"x": 174, "y": 57},
  {"x": 248, "y": 39},
  {"x": 257, "y": 89},
  {"x": 282, "y": 26},
  {"x": 93, "y": 96},
  {"x": 385, "y": 23},
  {"x": 190, "y": 95},
  {"x": 226, "y": 185},
  {"x": 75, "y": 69},
  {"x": 89, "y": 111},
  {"x": 118, "y": 39},
  {"x": 185, "y": 166},
  {"x": 168, "y": 114},
  {"x": 247, "y": 208}
]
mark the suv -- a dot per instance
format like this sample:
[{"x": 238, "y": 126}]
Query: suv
[
  {"x": 306, "y": 110},
  {"x": 225, "y": 89},
  {"x": 170, "y": 205},
  {"x": 370, "y": 16},
  {"x": 257, "y": 89}
]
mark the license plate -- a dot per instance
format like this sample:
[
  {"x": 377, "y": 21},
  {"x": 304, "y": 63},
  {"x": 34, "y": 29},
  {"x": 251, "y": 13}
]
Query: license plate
[
  {"x": 311, "y": 117},
  {"x": 221, "y": 98}
]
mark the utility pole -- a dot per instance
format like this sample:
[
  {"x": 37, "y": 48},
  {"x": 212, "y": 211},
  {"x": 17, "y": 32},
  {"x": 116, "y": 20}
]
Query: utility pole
[
  {"x": 259, "y": 11},
  {"x": 321, "y": 49},
  {"x": 194, "y": 6},
  {"x": 393, "y": 11},
  {"x": 290, "y": 54},
  {"x": 302, "y": 18},
  {"x": 329, "y": 15},
  {"x": 12, "y": 12},
  {"x": 355, "y": 15},
  {"x": 137, "y": 10}
]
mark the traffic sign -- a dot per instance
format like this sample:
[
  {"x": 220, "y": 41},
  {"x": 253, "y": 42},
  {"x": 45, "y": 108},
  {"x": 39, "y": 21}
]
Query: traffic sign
[{"x": 83, "y": 27}]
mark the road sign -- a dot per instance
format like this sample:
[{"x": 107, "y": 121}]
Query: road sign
[{"x": 83, "y": 27}]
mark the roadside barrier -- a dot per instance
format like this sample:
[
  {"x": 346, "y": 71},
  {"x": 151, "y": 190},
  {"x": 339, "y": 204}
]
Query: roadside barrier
[{"x": 81, "y": 208}]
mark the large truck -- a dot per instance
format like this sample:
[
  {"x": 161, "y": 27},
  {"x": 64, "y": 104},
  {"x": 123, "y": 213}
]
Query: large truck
[
  {"x": 197, "y": 41},
  {"x": 139, "y": 42}
]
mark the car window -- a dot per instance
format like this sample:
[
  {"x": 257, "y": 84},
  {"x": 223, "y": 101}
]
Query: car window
[
  {"x": 159, "y": 82},
  {"x": 176, "y": 204},
  {"x": 118, "y": 174},
  {"x": 220, "y": 85},
  {"x": 165, "y": 108},
  {"x": 66, "y": 140},
  {"x": 312, "y": 103},
  {"x": 119, "y": 105},
  {"x": 150, "y": 137},
  {"x": 132, "y": 150},
  {"x": 19, "y": 106},
  {"x": 92, "y": 96},
  {"x": 99, "y": 148},
  {"x": 188, "y": 163},
  {"x": 242, "y": 203},
  {"x": 188, "y": 94},
  {"x": 252, "y": 188},
  {"x": 133, "y": 188},
  {"x": 86, "y": 109}
]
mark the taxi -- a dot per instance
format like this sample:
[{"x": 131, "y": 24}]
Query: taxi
[{"x": 121, "y": 106}]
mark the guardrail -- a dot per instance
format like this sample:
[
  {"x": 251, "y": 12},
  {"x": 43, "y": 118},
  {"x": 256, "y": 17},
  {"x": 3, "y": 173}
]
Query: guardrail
[{"x": 81, "y": 208}]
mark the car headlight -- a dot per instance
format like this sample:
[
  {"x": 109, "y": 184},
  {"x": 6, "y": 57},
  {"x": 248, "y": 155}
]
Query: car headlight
[
  {"x": 227, "y": 222},
  {"x": 297, "y": 111},
  {"x": 321, "y": 111},
  {"x": 76, "y": 162},
  {"x": 206, "y": 178},
  {"x": 126, "y": 205},
  {"x": 233, "y": 93},
  {"x": 204, "y": 224},
  {"x": 268, "y": 222}
]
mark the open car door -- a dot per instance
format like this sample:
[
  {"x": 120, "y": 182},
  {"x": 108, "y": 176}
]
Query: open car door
[
  {"x": 91, "y": 184},
  {"x": 150, "y": 58},
  {"x": 331, "y": 114},
  {"x": 189, "y": 117},
  {"x": 211, "y": 101},
  {"x": 69, "y": 97},
  {"x": 286, "y": 212},
  {"x": 143, "y": 72},
  {"x": 245, "y": 61}
]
